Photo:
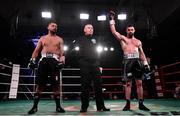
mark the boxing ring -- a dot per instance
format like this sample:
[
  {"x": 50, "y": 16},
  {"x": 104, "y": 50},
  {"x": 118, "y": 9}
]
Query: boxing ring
[
  {"x": 170, "y": 76},
  {"x": 17, "y": 87},
  {"x": 26, "y": 82}
]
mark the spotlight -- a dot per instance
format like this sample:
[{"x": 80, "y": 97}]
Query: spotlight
[
  {"x": 111, "y": 49},
  {"x": 65, "y": 48},
  {"x": 103, "y": 89},
  {"x": 122, "y": 16},
  {"x": 105, "y": 49},
  {"x": 99, "y": 49},
  {"x": 84, "y": 16},
  {"x": 101, "y": 18},
  {"x": 46, "y": 14},
  {"x": 77, "y": 48}
]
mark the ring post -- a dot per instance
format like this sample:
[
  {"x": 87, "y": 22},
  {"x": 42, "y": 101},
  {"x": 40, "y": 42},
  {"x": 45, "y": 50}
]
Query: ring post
[{"x": 60, "y": 75}]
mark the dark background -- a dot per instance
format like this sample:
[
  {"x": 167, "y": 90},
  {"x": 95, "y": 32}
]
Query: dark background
[{"x": 157, "y": 25}]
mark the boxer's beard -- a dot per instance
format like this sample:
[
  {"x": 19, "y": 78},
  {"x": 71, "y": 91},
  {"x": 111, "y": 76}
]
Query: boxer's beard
[
  {"x": 53, "y": 32},
  {"x": 130, "y": 35}
]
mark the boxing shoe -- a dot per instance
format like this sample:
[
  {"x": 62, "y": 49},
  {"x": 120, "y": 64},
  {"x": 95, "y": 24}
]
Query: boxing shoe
[
  {"x": 60, "y": 110},
  {"x": 142, "y": 107},
  {"x": 83, "y": 110},
  {"x": 126, "y": 107},
  {"x": 103, "y": 109},
  {"x": 33, "y": 110}
]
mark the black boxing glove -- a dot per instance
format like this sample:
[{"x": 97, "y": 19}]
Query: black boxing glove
[
  {"x": 147, "y": 69},
  {"x": 111, "y": 15},
  {"x": 32, "y": 63},
  {"x": 60, "y": 65}
]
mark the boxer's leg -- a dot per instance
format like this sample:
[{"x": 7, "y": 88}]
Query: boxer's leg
[
  {"x": 127, "y": 95},
  {"x": 56, "y": 90},
  {"x": 140, "y": 95},
  {"x": 128, "y": 78},
  {"x": 139, "y": 77},
  {"x": 34, "y": 109},
  {"x": 55, "y": 82}
]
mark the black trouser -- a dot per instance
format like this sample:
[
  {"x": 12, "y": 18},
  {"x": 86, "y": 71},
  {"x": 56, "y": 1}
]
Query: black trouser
[{"x": 90, "y": 73}]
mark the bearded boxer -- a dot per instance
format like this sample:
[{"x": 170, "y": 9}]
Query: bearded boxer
[
  {"x": 52, "y": 58},
  {"x": 134, "y": 61}
]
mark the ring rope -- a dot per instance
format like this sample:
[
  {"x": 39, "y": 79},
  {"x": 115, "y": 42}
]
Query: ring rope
[
  {"x": 5, "y": 83},
  {"x": 21, "y": 92},
  {"x": 70, "y": 69},
  {"x": 167, "y": 74},
  {"x": 71, "y": 76},
  {"x": 112, "y": 69},
  {"x": 110, "y": 76},
  {"x": 5, "y": 65},
  {"x": 26, "y": 76},
  {"x": 4, "y": 74},
  {"x": 172, "y": 82},
  {"x": 62, "y": 84},
  {"x": 169, "y": 65}
]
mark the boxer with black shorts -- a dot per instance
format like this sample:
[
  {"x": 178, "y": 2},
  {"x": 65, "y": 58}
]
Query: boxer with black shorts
[
  {"x": 52, "y": 58},
  {"x": 134, "y": 61}
]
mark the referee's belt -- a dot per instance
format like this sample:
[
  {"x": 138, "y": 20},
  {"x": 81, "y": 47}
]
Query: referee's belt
[
  {"x": 49, "y": 55},
  {"x": 131, "y": 56}
]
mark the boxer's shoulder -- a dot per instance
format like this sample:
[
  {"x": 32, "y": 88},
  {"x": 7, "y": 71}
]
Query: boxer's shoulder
[{"x": 43, "y": 37}]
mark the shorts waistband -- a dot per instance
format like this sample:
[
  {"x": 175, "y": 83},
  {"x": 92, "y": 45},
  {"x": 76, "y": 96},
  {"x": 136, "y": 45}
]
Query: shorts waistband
[
  {"x": 131, "y": 56},
  {"x": 49, "y": 55}
]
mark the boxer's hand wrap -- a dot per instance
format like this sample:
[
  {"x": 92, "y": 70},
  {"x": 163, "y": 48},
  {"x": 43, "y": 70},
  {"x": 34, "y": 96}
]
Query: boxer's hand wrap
[
  {"x": 112, "y": 22},
  {"x": 32, "y": 63}
]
